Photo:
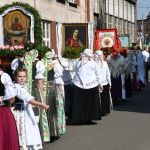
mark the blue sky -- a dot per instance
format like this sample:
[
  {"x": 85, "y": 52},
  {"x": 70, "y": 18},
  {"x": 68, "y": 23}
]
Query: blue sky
[{"x": 143, "y": 7}]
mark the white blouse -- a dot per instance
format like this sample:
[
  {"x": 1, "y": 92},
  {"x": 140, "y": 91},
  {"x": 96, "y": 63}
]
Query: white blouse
[
  {"x": 87, "y": 75},
  {"x": 104, "y": 73},
  {"x": 40, "y": 69},
  {"x": 22, "y": 93},
  {"x": 58, "y": 73},
  {"x": 9, "y": 86}
]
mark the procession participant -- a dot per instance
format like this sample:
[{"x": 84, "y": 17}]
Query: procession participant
[
  {"x": 115, "y": 62},
  {"x": 123, "y": 52},
  {"x": 129, "y": 70},
  {"x": 51, "y": 100},
  {"x": 106, "y": 82},
  {"x": 39, "y": 75},
  {"x": 28, "y": 131},
  {"x": 8, "y": 132},
  {"x": 86, "y": 97},
  {"x": 68, "y": 87},
  {"x": 146, "y": 56},
  {"x": 134, "y": 81},
  {"x": 60, "y": 95},
  {"x": 140, "y": 69},
  {"x": 56, "y": 97}
]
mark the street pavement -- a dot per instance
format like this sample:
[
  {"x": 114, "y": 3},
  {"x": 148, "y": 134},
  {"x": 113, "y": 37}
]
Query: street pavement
[{"x": 126, "y": 128}]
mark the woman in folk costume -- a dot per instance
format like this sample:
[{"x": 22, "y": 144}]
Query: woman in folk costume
[
  {"x": 39, "y": 92},
  {"x": 39, "y": 76},
  {"x": 86, "y": 97},
  {"x": 28, "y": 131},
  {"x": 106, "y": 82},
  {"x": 55, "y": 98},
  {"x": 123, "y": 52},
  {"x": 140, "y": 69},
  {"x": 68, "y": 87},
  {"x": 129, "y": 70},
  {"x": 134, "y": 81},
  {"x": 116, "y": 62},
  {"x": 8, "y": 131},
  {"x": 60, "y": 95}
]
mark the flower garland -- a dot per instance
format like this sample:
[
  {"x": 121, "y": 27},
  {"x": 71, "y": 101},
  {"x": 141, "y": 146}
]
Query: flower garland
[
  {"x": 19, "y": 50},
  {"x": 11, "y": 51},
  {"x": 73, "y": 53}
]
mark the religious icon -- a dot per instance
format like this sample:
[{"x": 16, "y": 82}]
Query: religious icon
[
  {"x": 75, "y": 38},
  {"x": 16, "y": 28},
  {"x": 16, "y": 25}
]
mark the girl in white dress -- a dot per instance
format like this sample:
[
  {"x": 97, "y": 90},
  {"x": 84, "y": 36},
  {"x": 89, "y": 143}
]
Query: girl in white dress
[{"x": 29, "y": 135}]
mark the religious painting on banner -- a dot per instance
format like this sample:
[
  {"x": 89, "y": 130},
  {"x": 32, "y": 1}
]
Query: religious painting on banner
[
  {"x": 106, "y": 38},
  {"x": 75, "y": 39},
  {"x": 16, "y": 28}
]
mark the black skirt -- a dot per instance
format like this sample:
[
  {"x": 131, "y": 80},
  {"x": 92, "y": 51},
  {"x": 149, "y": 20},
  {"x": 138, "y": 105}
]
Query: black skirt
[
  {"x": 86, "y": 104},
  {"x": 128, "y": 86},
  {"x": 116, "y": 88},
  {"x": 105, "y": 100}
]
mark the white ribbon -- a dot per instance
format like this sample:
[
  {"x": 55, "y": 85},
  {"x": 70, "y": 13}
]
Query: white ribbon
[{"x": 59, "y": 38}]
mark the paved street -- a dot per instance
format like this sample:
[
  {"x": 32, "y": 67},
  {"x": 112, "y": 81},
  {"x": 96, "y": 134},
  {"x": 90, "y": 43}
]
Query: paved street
[{"x": 126, "y": 128}]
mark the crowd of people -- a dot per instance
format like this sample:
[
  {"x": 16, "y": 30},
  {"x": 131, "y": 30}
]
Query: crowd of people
[{"x": 76, "y": 96}]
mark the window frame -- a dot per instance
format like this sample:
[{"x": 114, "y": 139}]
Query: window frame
[{"x": 46, "y": 29}]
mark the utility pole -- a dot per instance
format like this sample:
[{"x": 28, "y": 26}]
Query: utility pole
[{"x": 142, "y": 29}]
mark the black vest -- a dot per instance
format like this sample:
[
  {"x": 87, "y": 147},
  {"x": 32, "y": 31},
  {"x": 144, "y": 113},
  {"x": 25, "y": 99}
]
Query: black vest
[
  {"x": 2, "y": 88},
  {"x": 33, "y": 71},
  {"x": 51, "y": 75},
  {"x": 18, "y": 104}
]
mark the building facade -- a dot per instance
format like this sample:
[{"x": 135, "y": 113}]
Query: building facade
[
  {"x": 121, "y": 14},
  {"x": 99, "y": 7},
  {"x": 54, "y": 11},
  {"x": 143, "y": 29}
]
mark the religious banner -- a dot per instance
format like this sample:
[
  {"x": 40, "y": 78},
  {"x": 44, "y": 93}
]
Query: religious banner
[
  {"x": 16, "y": 28},
  {"x": 106, "y": 38}
]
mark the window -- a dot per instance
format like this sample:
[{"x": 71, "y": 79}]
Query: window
[
  {"x": 74, "y": 3},
  {"x": 96, "y": 6},
  {"x": 120, "y": 26},
  {"x": 110, "y": 22},
  {"x": 46, "y": 33},
  {"x": 96, "y": 21},
  {"x": 61, "y": 1}
]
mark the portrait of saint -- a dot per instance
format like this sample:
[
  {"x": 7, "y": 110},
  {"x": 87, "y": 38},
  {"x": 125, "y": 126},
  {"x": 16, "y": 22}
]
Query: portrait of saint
[
  {"x": 74, "y": 41},
  {"x": 16, "y": 25},
  {"x": 16, "y": 28},
  {"x": 75, "y": 36}
]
